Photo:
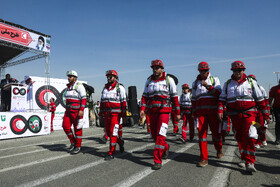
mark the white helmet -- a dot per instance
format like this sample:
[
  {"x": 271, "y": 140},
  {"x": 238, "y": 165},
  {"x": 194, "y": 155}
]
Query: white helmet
[{"x": 72, "y": 72}]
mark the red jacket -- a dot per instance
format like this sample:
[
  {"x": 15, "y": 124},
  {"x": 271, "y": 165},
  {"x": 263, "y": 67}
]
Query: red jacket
[
  {"x": 159, "y": 97},
  {"x": 75, "y": 97},
  {"x": 205, "y": 100},
  {"x": 241, "y": 96},
  {"x": 274, "y": 93},
  {"x": 113, "y": 100}
]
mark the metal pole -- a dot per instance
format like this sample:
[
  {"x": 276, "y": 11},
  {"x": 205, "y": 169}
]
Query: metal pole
[
  {"x": 47, "y": 75},
  {"x": 277, "y": 76}
]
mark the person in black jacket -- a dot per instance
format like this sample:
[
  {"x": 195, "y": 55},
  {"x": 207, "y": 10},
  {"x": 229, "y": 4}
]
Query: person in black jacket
[{"x": 5, "y": 94}]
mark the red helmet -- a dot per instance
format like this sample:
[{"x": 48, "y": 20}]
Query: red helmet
[
  {"x": 203, "y": 66},
  {"x": 185, "y": 86},
  {"x": 252, "y": 76},
  {"x": 157, "y": 62},
  {"x": 237, "y": 65},
  {"x": 112, "y": 72}
]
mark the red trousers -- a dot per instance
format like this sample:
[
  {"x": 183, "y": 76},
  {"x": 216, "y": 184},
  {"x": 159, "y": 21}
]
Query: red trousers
[
  {"x": 52, "y": 121},
  {"x": 175, "y": 123},
  {"x": 112, "y": 130},
  {"x": 203, "y": 122},
  {"x": 159, "y": 126},
  {"x": 241, "y": 123},
  {"x": 187, "y": 118},
  {"x": 69, "y": 119}
]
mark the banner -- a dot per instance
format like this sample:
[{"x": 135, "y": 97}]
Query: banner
[
  {"x": 22, "y": 124},
  {"x": 18, "y": 99},
  {"x": 25, "y": 38},
  {"x": 42, "y": 95}
]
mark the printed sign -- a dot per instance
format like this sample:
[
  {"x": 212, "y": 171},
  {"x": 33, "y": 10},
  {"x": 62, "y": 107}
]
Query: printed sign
[
  {"x": 25, "y": 38},
  {"x": 22, "y": 124}
]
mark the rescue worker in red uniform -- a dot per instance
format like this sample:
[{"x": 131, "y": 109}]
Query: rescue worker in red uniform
[
  {"x": 274, "y": 95},
  {"x": 52, "y": 109},
  {"x": 261, "y": 141},
  {"x": 113, "y": 108},
  {"x": 206, "y": 90},
  {"x": 186, "y": 111},
  {"x": 76, "y": 100},
  {"x": 158, "y": 99},
  {"x": 241, "y": 95}
]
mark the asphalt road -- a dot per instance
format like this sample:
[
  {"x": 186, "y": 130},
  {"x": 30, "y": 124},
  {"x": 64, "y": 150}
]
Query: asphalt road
[{"x": 44, "y": 161}]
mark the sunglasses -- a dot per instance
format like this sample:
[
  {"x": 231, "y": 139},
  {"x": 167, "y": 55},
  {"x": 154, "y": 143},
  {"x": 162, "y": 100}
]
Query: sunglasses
[
  {"x": 156, "y": 67},
  {"x": 70, "y": 76},
  {"x": 110, "y": 76},
  {"x": 238, "y": 70},
  {"x": 204, "y": 71}
]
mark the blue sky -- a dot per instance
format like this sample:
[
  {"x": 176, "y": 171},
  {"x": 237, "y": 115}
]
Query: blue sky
[{"x": 94, "y": 36}]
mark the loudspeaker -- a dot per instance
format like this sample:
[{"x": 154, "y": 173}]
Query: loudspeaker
[
  {"x": 133, "y": 106},
  {"x": 132, "y": 92}
]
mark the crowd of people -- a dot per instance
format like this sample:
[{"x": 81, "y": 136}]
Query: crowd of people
[{"x": 240, "y": 100}]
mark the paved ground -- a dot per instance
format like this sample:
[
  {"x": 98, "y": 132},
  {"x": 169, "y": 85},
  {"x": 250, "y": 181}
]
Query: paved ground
[{"x": 44, "y": 161}]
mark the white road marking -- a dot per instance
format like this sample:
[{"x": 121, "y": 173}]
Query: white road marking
[
  {"x": 75, "y": 170},
  {"x": 221, "y": 174},
  {"x": 145, "y": 172},
  {"x": 54, "y": 158}
]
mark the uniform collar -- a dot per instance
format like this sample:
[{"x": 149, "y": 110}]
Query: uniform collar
[
  {"x": 111, "y": 86},
  {"x": 160, "y": 79},
  {"x": 243, "y": 79}
]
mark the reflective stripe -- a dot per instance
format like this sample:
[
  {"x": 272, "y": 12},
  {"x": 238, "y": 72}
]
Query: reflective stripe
[
  {"x": 160, "y": 146},
  {"x": 177, "y": 108},
  {"x": 110, "y": 99},
  {"x": 69, "y": 134},
  {"x": 156, "y": 93},
  {"x": 246, "y": 97},
  {"x": 72, "y": 97},
  {"x": 247, "y": 152},
  {"x": 79, "y": 136},
  {"x": 186, "y": 106},
  {"x": 154, "y": 105},
  {"x": 185, "y": 131},
  {"x": 203, "y": 140},
  {"x": 113, "y": 144},
  {"x": 74, "y": 107}
]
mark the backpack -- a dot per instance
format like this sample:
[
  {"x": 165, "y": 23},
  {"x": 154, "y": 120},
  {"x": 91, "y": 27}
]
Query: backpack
[{"x": 89, "y": 89}]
